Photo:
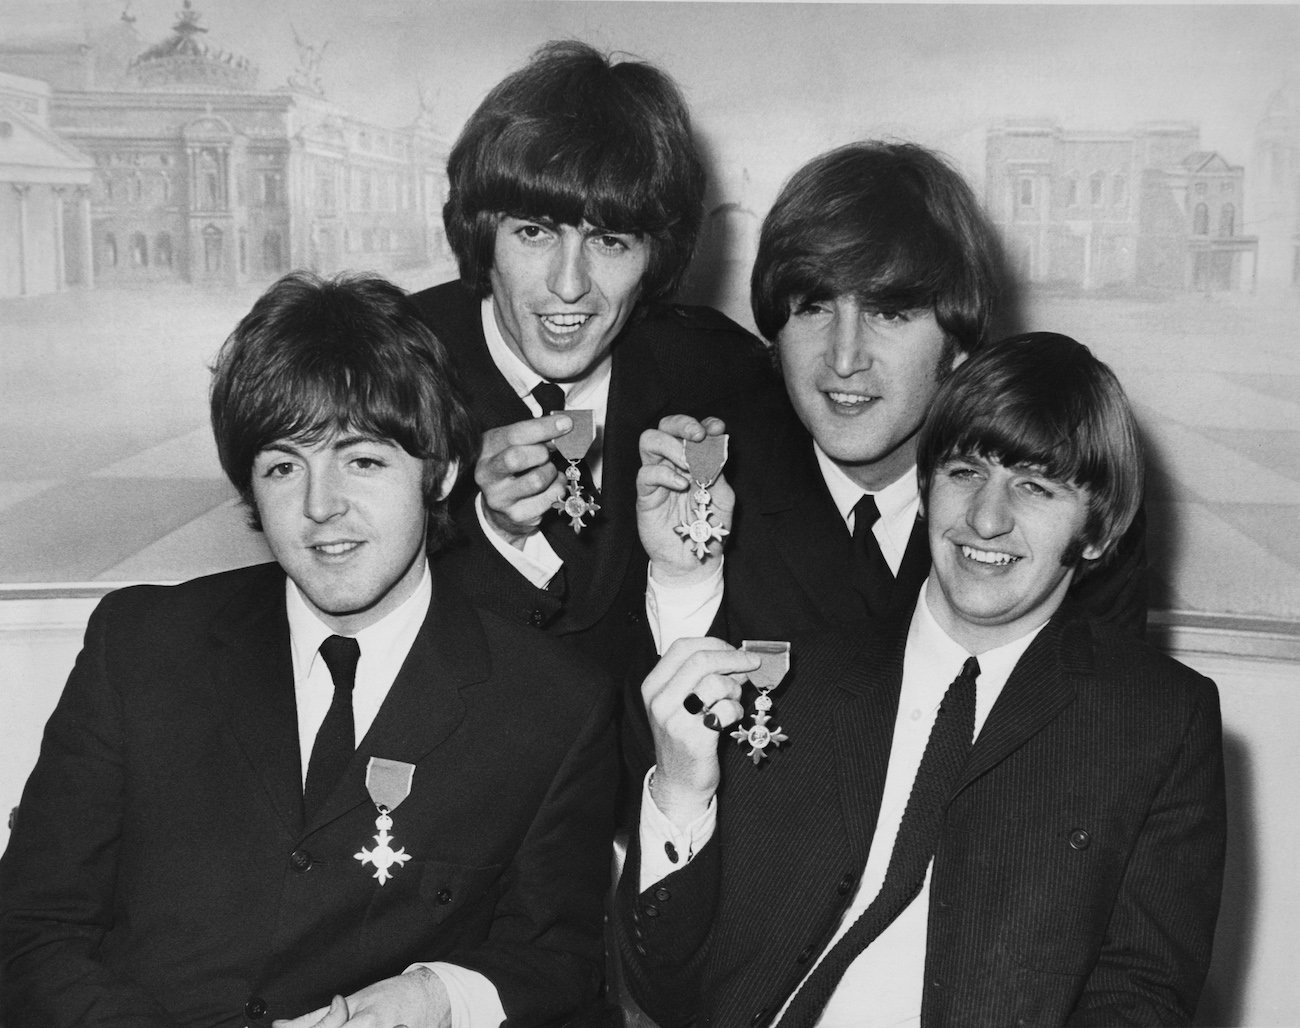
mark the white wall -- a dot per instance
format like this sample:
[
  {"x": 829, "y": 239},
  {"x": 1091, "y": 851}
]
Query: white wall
[{"x": 1253, "y": 981}]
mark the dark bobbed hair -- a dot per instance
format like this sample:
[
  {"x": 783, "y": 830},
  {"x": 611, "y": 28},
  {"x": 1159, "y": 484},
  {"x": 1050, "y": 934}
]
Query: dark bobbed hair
[
  {"x": 317, "y": 356},
  {"x": 1043, "y": 399},
  {"x": 573, "y": 137},
  {"x": 890, "y": 223}
]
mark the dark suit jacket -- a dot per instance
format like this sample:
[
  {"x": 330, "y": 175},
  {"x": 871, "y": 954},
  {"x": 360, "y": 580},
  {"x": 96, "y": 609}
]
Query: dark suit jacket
[
  {"x": 1076, "y": 878},
  {"x": 668, "y": 360},
  {"x": 160, "y": 872},
  {"x": 789, "y": 561}
]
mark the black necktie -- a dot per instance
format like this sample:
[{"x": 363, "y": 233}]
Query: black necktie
[
  {"x": 549, "y": 397},
  {"x": 871, "y": 575},
  {"x": 918, "y": 832},
  {"x": 336, "y": 740}
]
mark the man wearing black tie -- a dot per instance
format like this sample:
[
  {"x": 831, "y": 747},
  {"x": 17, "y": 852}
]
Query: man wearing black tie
[
  {"x": 575, "y": 199},
  {"x": 876, "y": 275},
  {"x": 986, "y": 811},
  {"x": 328, "y": 790}
]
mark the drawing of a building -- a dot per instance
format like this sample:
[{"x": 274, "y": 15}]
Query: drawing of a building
[
  {"x": 1275, "y": 195},
  {"x": 200, "y": 176},
  {"x": 1094, "y": 210},
  {"x": 45, "y": 224}
]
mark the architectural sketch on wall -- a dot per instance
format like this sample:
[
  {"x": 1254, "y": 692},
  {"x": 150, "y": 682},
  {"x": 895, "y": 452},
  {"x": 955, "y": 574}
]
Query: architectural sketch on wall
[
  {"x": 160, "y": 165},
  {"x": 201, "y": 176},
  {"x": 1146, "y": 208}
]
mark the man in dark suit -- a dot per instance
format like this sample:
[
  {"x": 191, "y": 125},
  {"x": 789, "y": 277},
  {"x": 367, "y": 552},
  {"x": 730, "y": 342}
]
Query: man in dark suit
[
  {"x": 1040, "y": 842},
  {"x": 575, "y": 201},
  {"x": 876, "y": 275},
  {"x": 328, "y": 789}
]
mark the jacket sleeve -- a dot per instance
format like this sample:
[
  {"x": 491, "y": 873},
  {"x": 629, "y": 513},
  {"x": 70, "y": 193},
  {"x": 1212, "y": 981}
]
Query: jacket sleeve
[
  {"x": 57, "y": 875},
  {"x": 544, "y": 951},
  {"x": 1156, "y": 952}
]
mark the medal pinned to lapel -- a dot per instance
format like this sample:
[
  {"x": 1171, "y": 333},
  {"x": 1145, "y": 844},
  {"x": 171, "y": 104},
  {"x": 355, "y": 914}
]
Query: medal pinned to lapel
[
  {"x": 775, "y": 657},
  {"x": 573, "y": 446},
  {"x": 388, "y": 782},
  {"x": 704, "y": 462}
]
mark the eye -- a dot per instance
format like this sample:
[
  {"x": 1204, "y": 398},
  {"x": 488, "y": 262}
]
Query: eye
[
  {"x": 810, "y": 308},
  {"x": 960, "y": 472},
  {"x": 611, "y": 243},
  {"x": 278, "y": 469},
  {"x": 531, "y": 232},
  {"x": 890, "y": 317},
  {"x": 1037, "y": 488},
  {"x": 367, "y": 463}
]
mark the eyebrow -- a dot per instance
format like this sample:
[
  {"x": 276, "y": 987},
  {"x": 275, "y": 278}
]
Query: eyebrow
[{"x": 293, "y": 448}]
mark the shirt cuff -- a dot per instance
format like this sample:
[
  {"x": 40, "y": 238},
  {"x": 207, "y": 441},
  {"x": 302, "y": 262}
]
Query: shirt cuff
[
  {"x": 683, "y": 612},
  {"x": 474, "y": 1000},
  {"x": 537, "y": 562},
  {"x": 665, "y": 848}
]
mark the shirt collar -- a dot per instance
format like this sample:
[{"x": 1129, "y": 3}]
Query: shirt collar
[
  {"x": 387, "y": 635},
  {"x": 996, "y": 663},
  {"x": 523, "y": 379},
  {"x": 890, "y": 501}
]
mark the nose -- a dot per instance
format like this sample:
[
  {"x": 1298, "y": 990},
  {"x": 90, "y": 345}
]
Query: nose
[
  {"x": 847, "y": 349},
  {"x": 325, "y": 498},
  {"x": 569, "y": 277},
  {"x": 989, "y": 513}
]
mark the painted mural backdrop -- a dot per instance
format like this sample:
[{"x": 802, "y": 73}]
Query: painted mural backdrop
[{"x": 161, "y": 164}]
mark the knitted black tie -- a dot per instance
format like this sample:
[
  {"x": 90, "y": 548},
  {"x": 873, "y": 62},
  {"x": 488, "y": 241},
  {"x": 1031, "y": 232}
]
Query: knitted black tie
[
  {"x": 945, "y": 756},
  {"x": 336, "y": 740}
]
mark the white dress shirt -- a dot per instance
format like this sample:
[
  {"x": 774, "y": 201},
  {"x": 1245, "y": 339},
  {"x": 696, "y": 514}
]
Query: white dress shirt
[
  {"x": 537, "y": 561},
  {"x": 883, "y": 985},
  {"x": 682, "y": 612},
  {"x": 384, "y": 648}
]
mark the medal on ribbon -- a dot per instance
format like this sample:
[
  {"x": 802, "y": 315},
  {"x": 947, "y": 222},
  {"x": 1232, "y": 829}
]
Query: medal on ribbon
[
  {"x": 775, "y": 657},
  {"x": 704, "y": 462},
  {"x": 388, "y": 782},
  {"x": 573, "y": 446}
]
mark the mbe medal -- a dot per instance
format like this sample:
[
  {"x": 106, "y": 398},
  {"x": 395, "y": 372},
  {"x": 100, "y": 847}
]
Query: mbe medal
[
  {"x": 573, "y": 446},
  {"x": 775, "y": 658},
  {"x": 704, "y": 462},
  {"x": 388, "y": 782}
]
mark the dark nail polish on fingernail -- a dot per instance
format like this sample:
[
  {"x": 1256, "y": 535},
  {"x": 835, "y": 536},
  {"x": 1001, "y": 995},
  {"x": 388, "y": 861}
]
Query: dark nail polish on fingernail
[{"x": 711, "y": 721}]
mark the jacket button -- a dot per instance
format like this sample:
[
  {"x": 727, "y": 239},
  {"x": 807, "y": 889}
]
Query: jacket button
[
  {"x": 662, "y": 894},
  {"x": 443, "y": 896},
  {"x": 633, "y": 617},
  {"x": 1080, "y": 839},
  {"x": 255, "y": 1008},
  {"x": 640, "y": 948},
  {"x": 536, "y": 618},
  {"x": 805, "y": 955},
  {"x": 760, "y": 1017},
  {"x": 300, "y": 860},
  {"x": 846, "y": 883},
  {"x": 651, "y": 910}
]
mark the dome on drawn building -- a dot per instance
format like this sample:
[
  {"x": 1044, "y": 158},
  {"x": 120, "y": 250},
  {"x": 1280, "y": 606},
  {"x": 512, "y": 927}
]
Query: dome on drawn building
[{"x": 185, "y": 60}]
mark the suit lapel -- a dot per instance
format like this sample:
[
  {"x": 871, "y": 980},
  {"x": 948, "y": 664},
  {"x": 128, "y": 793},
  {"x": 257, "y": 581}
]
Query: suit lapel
[
  {"x": 1040, "y": 687},
  {"x": 424, "y": 705},
  {"x": 913, "y": 569},
  {"x": 253, "y": 673},
  {"x": 864, "y": 730},
  {"x": 806, "y": 530}
]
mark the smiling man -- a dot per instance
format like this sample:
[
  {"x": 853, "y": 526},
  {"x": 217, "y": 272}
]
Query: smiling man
[
  {"x": 576, "y": 196},
  {"x": 876, "y": 275},
  {"x": 1039, "y": 842},
  {"x": 328, "y": 790}
]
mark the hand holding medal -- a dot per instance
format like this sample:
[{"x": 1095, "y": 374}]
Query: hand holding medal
[
  {"x": 775, "y": 658},
  {"x": 573, "y": 446},
  {"x": 703, "y": 462}
]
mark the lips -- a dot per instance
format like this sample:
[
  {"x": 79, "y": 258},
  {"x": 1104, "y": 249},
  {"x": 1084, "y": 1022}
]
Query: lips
[
  {"x": 336, "y": 549},
  {"x": 564, "y": 324},
  {"x": 992, "y": 558}
]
